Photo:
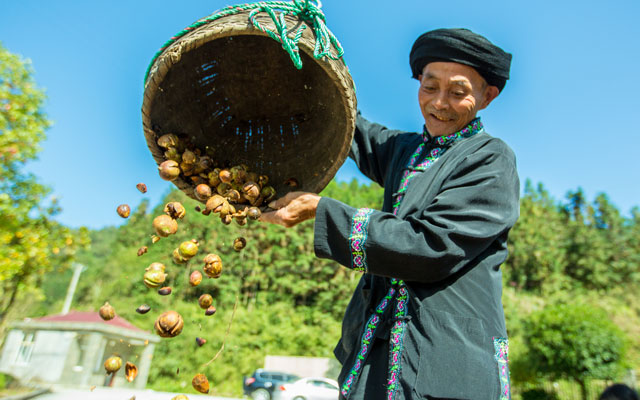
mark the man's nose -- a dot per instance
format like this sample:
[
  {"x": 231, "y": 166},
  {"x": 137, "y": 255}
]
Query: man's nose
[{"x": 440, "y": 101}]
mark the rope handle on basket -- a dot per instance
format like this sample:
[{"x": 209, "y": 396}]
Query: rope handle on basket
[{"x": 307, "y": 10}]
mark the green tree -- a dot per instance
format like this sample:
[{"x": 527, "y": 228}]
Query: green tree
[
  {"x": 575, "y": 342},
  {"x": 31, "y": 243}
]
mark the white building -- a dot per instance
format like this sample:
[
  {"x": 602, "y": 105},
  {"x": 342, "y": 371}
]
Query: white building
[{"x": 70, "y": 349}]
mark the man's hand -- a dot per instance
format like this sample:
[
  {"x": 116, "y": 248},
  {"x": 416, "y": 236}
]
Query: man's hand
[{"x": 292, "y": 209}]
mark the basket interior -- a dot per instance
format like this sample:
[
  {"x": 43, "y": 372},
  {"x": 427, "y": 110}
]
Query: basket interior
[{"x": 242, "y": 97}]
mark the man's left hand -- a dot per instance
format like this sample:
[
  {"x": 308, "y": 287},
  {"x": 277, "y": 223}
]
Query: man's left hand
[{"x": 292, "y": 209}]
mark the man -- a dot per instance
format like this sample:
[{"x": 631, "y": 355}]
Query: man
[{"x": 426, "y": 320}]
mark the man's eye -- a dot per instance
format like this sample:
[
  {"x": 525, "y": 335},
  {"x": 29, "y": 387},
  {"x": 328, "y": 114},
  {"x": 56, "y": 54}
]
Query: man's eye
[
  {"x": 429, "y": 88},
  {"x": 458, "y": 94}
]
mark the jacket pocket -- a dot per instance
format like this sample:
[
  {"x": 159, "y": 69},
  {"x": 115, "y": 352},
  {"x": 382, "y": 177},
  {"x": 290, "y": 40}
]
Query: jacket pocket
[{"x": 456, "y": 358}]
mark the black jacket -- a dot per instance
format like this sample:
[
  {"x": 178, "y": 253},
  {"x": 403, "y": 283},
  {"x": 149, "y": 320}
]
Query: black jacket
[{"x": 446, "y": 243}]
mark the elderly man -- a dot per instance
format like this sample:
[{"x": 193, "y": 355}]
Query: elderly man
[{"x": 426, "y": 320}]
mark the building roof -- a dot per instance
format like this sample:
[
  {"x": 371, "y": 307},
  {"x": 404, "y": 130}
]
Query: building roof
[{"x": 88, "y": 317}]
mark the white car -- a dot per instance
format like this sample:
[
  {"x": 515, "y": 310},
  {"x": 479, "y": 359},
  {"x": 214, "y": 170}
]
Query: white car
[{"x": 308, "y": 389}]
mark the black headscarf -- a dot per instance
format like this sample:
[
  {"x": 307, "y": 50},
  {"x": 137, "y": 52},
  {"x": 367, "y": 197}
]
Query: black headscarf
[{"x": 464, "y": 47}]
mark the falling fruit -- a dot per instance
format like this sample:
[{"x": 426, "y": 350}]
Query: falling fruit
[
  {"x": 142, "y": 250},
  {"x": 124, "y": 210},
  {"x": 195, "y": 278},
  {"x": 210, "y": 311},
  {"x": 113, "y": 364},
  {"x": 107, "y": 312},
  {"x": 142, "y": 187},
  {"x": 143, "y": 309},
  {"x": 169, "y": 324},
  {"x": 130, "y": 371},
  {"x": 200, "y": 341},
  {"x": 200, "y": 383},
  {"x": 205, "y": 301},
  {"x": 165, "y": 291}
]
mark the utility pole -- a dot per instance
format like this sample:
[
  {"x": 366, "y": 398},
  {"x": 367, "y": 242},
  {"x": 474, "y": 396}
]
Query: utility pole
[{"x": 77, "y": 270}]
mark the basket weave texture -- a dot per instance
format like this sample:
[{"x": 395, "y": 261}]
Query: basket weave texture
[{"x": 231, "y": 88}]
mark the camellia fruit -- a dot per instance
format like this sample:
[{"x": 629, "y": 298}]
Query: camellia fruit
[
  {"x": 124, "y": 210},
  {"x": 113, "y": 364},
  {"x": 164, "y": 225},
  {"x": 107, "y": 312}
]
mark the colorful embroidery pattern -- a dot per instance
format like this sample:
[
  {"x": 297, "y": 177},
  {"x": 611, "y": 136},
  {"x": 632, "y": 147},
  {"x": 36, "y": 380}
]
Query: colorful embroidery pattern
[
  {"x": 501, "y": 345},
  {"x": 397, "y": 334},
  {"x": 369, "y": 331},
  {"x": 358, "y": 237},
  {"x": 444, "y": 142}
]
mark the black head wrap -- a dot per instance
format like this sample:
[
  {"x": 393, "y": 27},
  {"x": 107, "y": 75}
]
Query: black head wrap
[{"x": 464, "y": 47}]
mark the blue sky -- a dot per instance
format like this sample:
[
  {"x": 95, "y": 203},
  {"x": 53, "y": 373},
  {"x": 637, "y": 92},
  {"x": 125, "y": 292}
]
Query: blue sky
[{"x": 570, "y": 110}]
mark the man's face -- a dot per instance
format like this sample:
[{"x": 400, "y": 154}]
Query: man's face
[{"x": 450, "y": 95}]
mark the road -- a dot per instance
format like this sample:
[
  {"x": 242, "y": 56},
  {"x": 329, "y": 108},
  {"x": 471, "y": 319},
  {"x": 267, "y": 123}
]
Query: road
[{"x": 104, "y": 393}]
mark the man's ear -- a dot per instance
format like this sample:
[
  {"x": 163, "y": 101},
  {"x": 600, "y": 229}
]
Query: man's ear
[{"x": 490, "y": 93}]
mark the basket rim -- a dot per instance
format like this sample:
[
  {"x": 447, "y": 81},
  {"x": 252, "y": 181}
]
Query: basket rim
[{"x": 239, "y": 25}]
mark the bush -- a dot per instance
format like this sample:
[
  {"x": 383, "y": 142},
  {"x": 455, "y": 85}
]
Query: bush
[{"x": 576, "y": 342}]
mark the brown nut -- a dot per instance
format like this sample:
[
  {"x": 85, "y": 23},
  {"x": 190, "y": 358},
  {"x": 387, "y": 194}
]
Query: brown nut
[
  {"x": 200, "y": 341},
  {"x": 168, "y": 140},
  {"x": 169, "y": 324},
  {"x": 143, "y": 309},
  {"x": 204, "y": 164},
  {"x": 165, "y": 291},
  {"x": 169, "y": 170},
  {"x": 130, "y": 371},
  {"x": 268, "y": 192},
  {"x": 225, "y": 176},
  {"x": 214, "y": 177},
  {"x": 203, "y": 192},
  {"x": 210, "y": 311},
  {"x": 154, "y": 275},
  {"x": 213, "y": 266},
  {"x": 188, "y": 249},
  {"x": 200, "y": 383},
  {"x": 175, "y": 210},
  {"x": 164, "y": 225},
  {"x": 142, "y": 250},
  {"x": 215, "y": 203},
  {"x": 154, "y": 239},
  {"x": 238, "y": 174},
  {"x": 239, "y": 243},
  {"x": 205, "y": 301},
  {"x": 177, "y": 258},
  {"x": 173, "y": 154},
  {"x": 254, "y": 213},
  {"x": 187, "y": 169},
  {"x": 124, "y": 210},
  {"x": 189, "y": 158},
  {"x": 195, "y": 278},
  {"x": 233, "y": 196},
  {"x": 113, "y": 364},
  {"x": 223, "y": 188},
  {"x": 226, "y": 219},
  {"x": 142, "y": 187},
  {"x": 107, "y": 312},
  {"x": 251, "y": 189}
]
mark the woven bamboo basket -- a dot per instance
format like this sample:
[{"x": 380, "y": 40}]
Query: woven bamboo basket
[{"x": 234, "y": 91}]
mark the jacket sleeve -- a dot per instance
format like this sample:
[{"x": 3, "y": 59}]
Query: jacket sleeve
[
  {"x": 477, "y": 203},
  {"x": 372, "y": 148}
]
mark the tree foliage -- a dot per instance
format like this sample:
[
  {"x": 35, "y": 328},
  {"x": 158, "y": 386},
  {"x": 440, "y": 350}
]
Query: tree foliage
[
  {"x": 31, "y": 243},
  {"x": 577, "y": 342}
]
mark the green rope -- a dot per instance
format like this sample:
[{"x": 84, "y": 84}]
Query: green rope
[{"x": 307, "y": 10}]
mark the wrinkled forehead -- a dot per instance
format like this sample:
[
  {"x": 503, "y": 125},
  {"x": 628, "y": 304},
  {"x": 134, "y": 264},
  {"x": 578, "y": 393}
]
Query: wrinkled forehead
[{"x": 452, "y": 72}]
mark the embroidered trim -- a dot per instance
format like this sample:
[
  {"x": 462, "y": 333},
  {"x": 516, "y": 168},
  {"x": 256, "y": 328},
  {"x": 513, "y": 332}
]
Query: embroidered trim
[
  {"x": 358, "y": 237},
  {"x": 444, "y": 142},
  {"x": 397, "y": 336},
  {"x": 501, "y": 346},
  {"x": 372, "y": 325}
]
